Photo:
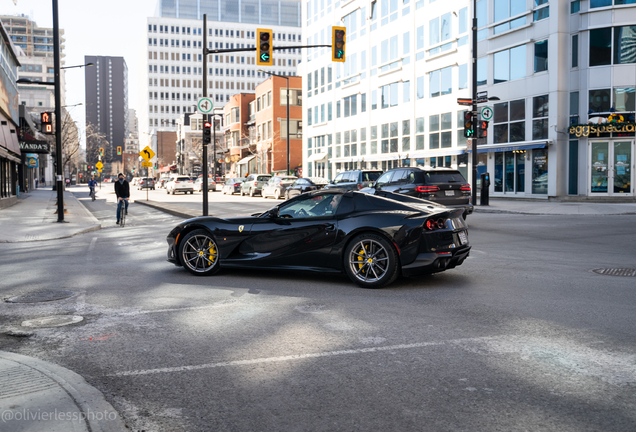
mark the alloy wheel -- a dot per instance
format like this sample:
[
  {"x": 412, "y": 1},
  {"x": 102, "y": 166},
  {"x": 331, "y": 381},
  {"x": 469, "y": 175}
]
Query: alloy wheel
[
  {"x": 369, "y": 261},
  {"x": 200, "y": 253}
]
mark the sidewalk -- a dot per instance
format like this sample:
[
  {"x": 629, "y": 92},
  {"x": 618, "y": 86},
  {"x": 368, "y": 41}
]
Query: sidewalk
[
  {"x": 555, "y": 208},
  {"x": 39, "y": 396},
  {"x": 33, "y": 218}
]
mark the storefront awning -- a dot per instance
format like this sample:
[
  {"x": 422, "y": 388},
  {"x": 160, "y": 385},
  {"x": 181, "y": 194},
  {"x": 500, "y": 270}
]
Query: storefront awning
[
  {"x": 317, "y": 157},
  {"x": 525, "y": 145},
  {"x": 245, "y": 160}
]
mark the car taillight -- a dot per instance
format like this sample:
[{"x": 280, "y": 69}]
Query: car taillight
[
  {"x": 433, "y": 224},
  {"x": 255, "y": 182},
  {"x": 465, "y": 188},
  {"x": 426, "y": 189},
  {"x": 359, "y": 186},
  {"x": 177, "y": 182},
  {"x": 236, "y": 184}
]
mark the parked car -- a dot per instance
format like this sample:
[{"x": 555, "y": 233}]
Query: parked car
[
  {"x": 277, "y": 185},
  {"x": 444, "y": 186},
  {"x": 198, "y": 184},
  {"x": 303, "y": 185},
  {"x": 253, "y": 184},
  {"x": 146, "y": 183},
  {"x": 232, "y": 186},
  {"x": 180, "y": 184},
  {"x": 134, "y": 182},
  {"x": 354, "y": 180}
]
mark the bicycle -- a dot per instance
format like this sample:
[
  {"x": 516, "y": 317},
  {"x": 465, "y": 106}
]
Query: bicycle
[
  {"x": 93, "y": 194},
  {"x": 122, "y": 213}
]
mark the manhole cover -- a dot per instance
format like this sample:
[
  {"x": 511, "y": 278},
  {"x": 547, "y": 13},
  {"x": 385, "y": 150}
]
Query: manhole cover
[
  {"x": 616, "y": 272},
  {"x": 52, "y": 321},
  {"x": 40, "y": 296}
]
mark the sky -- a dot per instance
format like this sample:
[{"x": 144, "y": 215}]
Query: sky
[{"x": 102, "y": 28}]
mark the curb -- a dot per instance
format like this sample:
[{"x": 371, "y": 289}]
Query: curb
[
  {"x": 96, "y": 227},
  {"x": 86, "y": 397},
  {"x": 88, "y": 212},
  {"x": 494, "y": 211},
  {"x": 170, "y": 209}
]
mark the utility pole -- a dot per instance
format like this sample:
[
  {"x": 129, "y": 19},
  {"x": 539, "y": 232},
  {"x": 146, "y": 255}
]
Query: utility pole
[
  {"x": 204, "y": 183},
  {"x": 58, "y": 115},
  {"x": 474, "y": 107}
]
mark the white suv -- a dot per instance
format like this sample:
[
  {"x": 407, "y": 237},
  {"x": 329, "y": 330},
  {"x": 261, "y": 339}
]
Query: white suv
[{"x": 180, "y": 184}]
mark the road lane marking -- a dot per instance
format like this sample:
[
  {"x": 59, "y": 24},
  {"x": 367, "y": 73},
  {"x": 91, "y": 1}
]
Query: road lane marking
[{"x": 295, "y": 357}]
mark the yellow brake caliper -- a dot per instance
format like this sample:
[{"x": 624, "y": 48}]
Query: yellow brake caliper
[
  {"x": 212, "y": 251},
  {"x": 360, "y": 254}
]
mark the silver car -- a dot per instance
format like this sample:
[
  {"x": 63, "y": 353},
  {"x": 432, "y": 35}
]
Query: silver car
[{"x": 276, "y": 186}]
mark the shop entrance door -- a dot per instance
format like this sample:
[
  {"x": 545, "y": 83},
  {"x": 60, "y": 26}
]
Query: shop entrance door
[{"x": 611, "y": 168}]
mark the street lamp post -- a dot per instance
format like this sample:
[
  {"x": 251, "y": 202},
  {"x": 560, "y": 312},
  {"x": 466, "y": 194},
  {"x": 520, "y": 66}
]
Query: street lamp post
[
  {"x": 58, "y": 113},
  {"x": 287, "y": 78}
]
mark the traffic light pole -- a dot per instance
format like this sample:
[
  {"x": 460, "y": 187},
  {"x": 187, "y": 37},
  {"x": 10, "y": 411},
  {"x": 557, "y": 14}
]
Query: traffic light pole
[
  {"x": 58, "y": 115},
  {"x": 204, "y": 162},
  {"x": 219, "y": 51},
  {"x": 473, "y": 141}
]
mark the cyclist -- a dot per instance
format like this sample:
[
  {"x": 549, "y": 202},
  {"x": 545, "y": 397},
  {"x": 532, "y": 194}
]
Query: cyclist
[
  {"x": 92, "y": 183},
  {"x": 122, "y": 190}
]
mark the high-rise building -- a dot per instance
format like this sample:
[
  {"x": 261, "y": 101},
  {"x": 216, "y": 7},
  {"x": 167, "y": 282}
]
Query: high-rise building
[
  {"x": 552, "y": 65},
  {"x": 172, "y": 71},
  {"x": 106, "y": 107},
  {"x": 36, "y": 51}
]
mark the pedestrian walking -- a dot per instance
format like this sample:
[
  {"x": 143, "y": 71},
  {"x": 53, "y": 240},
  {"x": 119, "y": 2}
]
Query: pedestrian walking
[
  {"x": 43, "y": 181},
  {"x": 36, "y": 182}
]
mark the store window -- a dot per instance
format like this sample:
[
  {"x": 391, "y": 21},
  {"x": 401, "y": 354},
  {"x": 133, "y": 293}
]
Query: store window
[
  {"x": 509, "y": 122},
  {"x": 540, "y": 171},
  {"x": 540, "y": 112}
]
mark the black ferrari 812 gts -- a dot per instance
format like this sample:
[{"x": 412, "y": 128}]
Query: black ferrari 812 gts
[{"x": 371, "y": 238}]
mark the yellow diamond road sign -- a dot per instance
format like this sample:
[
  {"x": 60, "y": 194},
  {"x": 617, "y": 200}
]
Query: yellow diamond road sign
[
  {"x": 99, "y": 165},
  {"x": 147, "y": 154}
]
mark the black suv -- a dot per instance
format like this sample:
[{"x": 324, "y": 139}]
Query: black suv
[
  {"x": 444, "y": 186},
  {"x": 354, "y": 180}
]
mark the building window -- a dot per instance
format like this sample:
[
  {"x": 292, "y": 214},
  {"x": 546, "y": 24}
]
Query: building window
[
  {"x": 575, "y": 50},
  {"x": 440, "y": 82},
  {"x": 389, "y": 94},
  {"x": 482, "y": 71},
  {"x": 541, "y": 13},
  {"x": 541, "y": 56},
  {"x": 509, "y": 122},
  {"x": 503, "y": 10},
  {"x": 440, "y": 30},
  {"x": 540, "y": 112},
  {"x": 462, "y": 76},
  {"x": 509, "y": 65},
  {"x": 419, "y": 130},
  {"x": 600, "y": 46}
]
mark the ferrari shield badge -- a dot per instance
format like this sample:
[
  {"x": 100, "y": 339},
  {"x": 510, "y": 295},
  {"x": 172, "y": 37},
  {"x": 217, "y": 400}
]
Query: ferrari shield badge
[{"x": 241, "y": 228}]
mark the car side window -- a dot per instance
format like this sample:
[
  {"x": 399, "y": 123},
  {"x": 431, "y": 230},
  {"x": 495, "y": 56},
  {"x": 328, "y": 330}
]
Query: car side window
[
  {"x": 410, "y": 178},
  {"x": 384, "y": 179},
  {"x": 338, "y": 178},
  {"x": 399, "y": 177},
  {"x": 310, "y": 207}
]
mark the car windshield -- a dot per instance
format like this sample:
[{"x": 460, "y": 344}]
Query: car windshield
[
  {"x": 263, "y": 178},
  {"x": 444, "y": 177},
  {"x": 182, "y": 179}
]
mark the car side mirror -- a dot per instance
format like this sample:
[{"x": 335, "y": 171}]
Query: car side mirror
[{"x": 273, "y": 213}]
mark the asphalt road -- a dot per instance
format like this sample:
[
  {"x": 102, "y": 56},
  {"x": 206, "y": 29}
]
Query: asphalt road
[{"x": 522, "y": 337}]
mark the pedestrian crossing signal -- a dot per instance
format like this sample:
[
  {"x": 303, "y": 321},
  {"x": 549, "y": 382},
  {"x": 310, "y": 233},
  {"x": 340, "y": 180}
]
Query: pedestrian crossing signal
[
  {"x": 483, "y": 129},
  {"x": 338, "y": 42},
  {"x": 47, "y": 126}
]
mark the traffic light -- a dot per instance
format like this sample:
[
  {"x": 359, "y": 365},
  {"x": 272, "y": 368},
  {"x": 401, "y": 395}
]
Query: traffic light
[
  {"x": 207, "y": 133},
  {"x": 483, "y": 129},
  {"x": 47, "y": 126},
  {"x": 338, "y": 42},
  {"x": 101, "y": 151},
  {"x": 469, "y": 125},
  {"x": 264, "y": 47},
  {"x": 118, "y": 151}
]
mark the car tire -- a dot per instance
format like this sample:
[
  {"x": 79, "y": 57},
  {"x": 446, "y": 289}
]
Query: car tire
[
  {"x": 286, "y": 195},
  {"x": 277, "y": 194},
  {"x": 367, "y": 274},
  {"x": 251, "y": 192},
  {"x": 167, "y": 191},
  {"x": 173, "y": 191},
  {"x": 193, "y": 258},
  {"x": 242, "y": 194}
]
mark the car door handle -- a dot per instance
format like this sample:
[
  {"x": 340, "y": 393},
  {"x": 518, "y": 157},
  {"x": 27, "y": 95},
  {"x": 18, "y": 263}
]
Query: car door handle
[{"x": 330, "y": 227}]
